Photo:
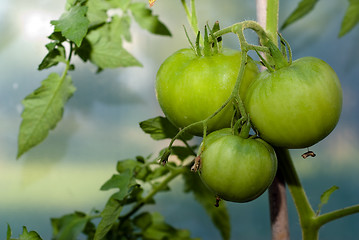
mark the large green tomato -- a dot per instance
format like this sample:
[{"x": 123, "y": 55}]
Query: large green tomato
[
  {"x": 190, "y": 88},
  {"x": 295, "y": 106},
  {"x": 237, "y": 169}
]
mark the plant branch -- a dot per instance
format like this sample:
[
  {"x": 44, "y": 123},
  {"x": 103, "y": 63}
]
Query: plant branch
[{"x": 330, "y": 216}]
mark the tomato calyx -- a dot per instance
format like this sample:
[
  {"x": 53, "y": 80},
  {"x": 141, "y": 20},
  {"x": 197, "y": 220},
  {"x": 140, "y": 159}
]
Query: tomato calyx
[
  {"x": 278, "y": 58},
  {"x": 210, "y": 45}
]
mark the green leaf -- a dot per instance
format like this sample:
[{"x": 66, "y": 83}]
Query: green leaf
[
  {"x": 219, "y": 215},
  {"x": 154, "y": 227},
  {"x": 73, "y": 24},
  {"x": 160, "y": 128},
  {"x": 106, "y": 48},
  {"x": 324, "y": 198},
  {"x": 109, "y": 215},
  {"x": 146, "y": 20},
  {"x": 123, "y": 4},
  {"x": 183, "y": 152},
  {"x": 8, "y": 232},
  {"x": 121, "y": 26},
  {"x": 69, "y": 226},
  {"x": 303, "y": 8},
  {"x": 55, "y": 55},
  {"x": 112, "y": 55},
  {"x": 351, "y": 17},
  {"x": 32, "y": 235},
  {"x": 43, "y": 109},
  {"x": 127, "y": 164},
  {"x": 97, "y": 11}
]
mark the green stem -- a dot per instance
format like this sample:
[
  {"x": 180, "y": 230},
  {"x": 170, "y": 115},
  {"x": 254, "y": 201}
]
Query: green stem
[
  {"x": 272, "y": 19},
  {"x": 305, "y": 211},
  {"x": 327, "y": 217}
]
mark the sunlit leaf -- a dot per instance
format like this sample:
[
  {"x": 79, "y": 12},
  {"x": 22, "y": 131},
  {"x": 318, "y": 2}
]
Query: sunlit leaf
[
  {"x": 303, "y": 8},
  {"x": 97, "y": 11},
  {"x": 73, "y": 24},
  {"x": 106, "y": 49},
  {"x": 147, "y": 20},
  {"x": 43, "y": 109},
  {"x": 219, "y": 215},
  {"x": 324, "y": 198},
  {"x": 351, "y": 17}
]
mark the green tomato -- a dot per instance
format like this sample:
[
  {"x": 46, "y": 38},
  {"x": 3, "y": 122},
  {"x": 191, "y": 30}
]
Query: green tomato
[
  {"x": 237, "y": 169},
  {"x": 295, "y": 106},
  {"x": 190, "y": 88}
]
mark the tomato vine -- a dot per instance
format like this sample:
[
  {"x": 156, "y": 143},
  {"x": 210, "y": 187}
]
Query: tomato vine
[{"x": 93, "y": 36}]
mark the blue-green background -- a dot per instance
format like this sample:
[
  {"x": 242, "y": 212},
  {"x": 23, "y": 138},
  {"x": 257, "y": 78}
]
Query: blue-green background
[{"x": 100, "y": 123}]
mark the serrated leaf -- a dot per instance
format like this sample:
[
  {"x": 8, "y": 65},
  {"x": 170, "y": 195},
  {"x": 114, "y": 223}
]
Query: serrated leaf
[
  {"x": 32, "y": 235},
  {"x": 43, "y": 109},
  {"x": 109, "y": 216},
  {"x": 351, "y": 18},
  {"x": 112, "y": 55},
  {"x": 73, "y": 24},
  {"x": 324, "y": 198},
  {"x": 106, "y": 49},
  {"x": 219, "y": 215},
  {"x": 97, "y": 11},
  {"x": 53, "y": 57},
  {"x": 121, "y": 26},
  {"x": 69, "y": 226},
  {"x": 160, "y": 128},
  {"x": 147, "y": 20},
  {"x": 303, "y": 8}
]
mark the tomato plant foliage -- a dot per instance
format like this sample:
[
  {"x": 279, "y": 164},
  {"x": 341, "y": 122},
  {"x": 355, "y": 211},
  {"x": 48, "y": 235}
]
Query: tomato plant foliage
[{"x": 291, "y": 105}]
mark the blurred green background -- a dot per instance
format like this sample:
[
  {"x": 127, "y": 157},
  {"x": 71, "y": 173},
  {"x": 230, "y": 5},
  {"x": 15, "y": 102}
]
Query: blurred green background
[{"x": 100, "y": 123}]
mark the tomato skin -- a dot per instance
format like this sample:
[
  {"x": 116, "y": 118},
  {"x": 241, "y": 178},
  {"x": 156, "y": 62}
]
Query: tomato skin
[
  {"x": 190, "y": 88},
  {"x": 295, "y": 106},
  {"x": 237, "y": 169}
]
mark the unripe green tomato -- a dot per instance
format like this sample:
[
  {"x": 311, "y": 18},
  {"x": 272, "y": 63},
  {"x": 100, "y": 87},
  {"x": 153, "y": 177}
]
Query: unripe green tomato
[
  {"x": 190, "y": 88},
  {"x": 295, "y": 106},
  {"x": 237, "y": 169}
]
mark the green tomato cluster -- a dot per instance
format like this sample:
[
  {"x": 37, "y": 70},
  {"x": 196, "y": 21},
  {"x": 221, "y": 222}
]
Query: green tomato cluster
[{"x": 295, "y": 106}]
